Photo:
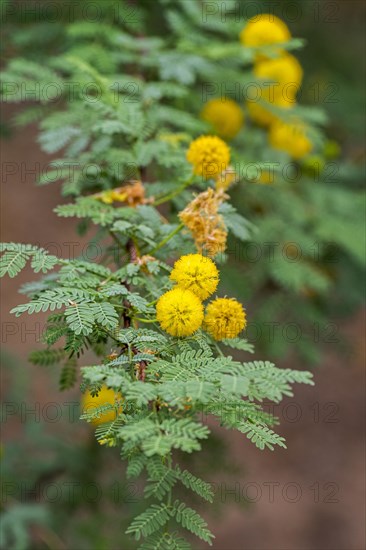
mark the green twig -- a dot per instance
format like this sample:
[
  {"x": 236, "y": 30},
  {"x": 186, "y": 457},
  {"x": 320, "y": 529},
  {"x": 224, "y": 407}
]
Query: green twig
[
  {"x": 167, "y": 239},
  {"x": 173, "y": 194},
  {"x": 218, "y": 349},
  {"x": 115, "y": 238}
]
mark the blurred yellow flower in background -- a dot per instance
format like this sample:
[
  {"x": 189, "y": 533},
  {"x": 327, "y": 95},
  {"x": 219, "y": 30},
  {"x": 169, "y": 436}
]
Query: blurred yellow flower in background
[
  {"x": 105, "y": 396},
  {"x": 266, "y": 177},
  {"x": 227, "y": 178},
  {"x": 264, "y": 29},
  {"x": 209, "y": 156},
  {"x": 225, "y": 116},
  {"x": 261, "y": 114},
  {"x": 283, "y": 78},
  {"x": 285, "y": 71},
  {"x": 332, "y": 149},
  {"x": 291, "y": 138}
]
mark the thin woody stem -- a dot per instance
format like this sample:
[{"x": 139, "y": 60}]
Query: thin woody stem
[
  {"x": 167, "y": 239},
  {"x": 115, "y": 238},
  {"x": 173, "y": 194},
  {"x": 170, "y": 463}
]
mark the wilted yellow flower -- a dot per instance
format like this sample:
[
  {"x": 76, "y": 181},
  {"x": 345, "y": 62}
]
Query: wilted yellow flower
[
  {"x": 202, "y": 218},
  {"x": 285, "y": 72},
  {"x": 105, "y": 396},
  {"x": 209, "y": 156},
  {"x": 179, "y": 312},
  {"x": 144, "y": 261},
  {"x": 196, "y": 273},
  {"x": 108, "y": 197},
  {"x": 108, "y": 441},
  {"x": 132, "y": 194},
  {"x": 224, "y": 318},
  {"x": 264, "y": 29},
  {"x": 224, "y": 115},
  {"x": 291, "y": 138}
]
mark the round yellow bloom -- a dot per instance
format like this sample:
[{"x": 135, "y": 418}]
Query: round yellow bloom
[
  {"x": 209, "y": 155},
  {"x": 285, "y": 72},
  {"x": 225, "y": 116},
  {"x": 225, "y": 318},
  {"x": 291, "y": 138},
  {"x": 264, "y": 29},
  {"x": 196, "y": 273},
  {"x": 179, "y": 312},
  {"x": 104, "y": 397}
]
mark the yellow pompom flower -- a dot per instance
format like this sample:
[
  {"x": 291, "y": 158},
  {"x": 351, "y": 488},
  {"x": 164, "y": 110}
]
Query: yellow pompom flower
[
  {"x": 291, "y": 138},
  {"x": 225, "y": 318},
  {"x": 209, "y": 156},
  {"x": 179, "y": 312},
  {"x": 264, "y": 29},
  {"x": 104, "y": 397},
  {"x": 285, "y": 72},
  {"x": 196, "y": 273},
  {"x": 225, "y": 116}
]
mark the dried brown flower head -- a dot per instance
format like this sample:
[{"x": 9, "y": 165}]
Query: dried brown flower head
[{"x": 202, "y": 218}]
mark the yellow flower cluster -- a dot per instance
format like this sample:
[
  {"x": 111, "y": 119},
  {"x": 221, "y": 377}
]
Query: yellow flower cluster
[
  {"x": 209, "y": 156},
  {"x": 225, "y": 116},
  {"x": 201, "y": 216},
  {"x": 282, "y": 78},
  {"x": 180, "y": 311},
  {"x": 105, "y": 396}
]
